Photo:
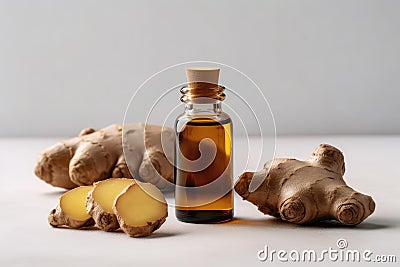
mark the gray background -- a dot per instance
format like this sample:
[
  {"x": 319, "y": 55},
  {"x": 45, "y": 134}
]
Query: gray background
[{"x": 327, "y": 67}]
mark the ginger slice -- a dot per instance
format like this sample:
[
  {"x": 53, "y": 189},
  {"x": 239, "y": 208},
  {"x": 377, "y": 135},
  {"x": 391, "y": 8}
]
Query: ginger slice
[
  {"x": 101, "y": 199},
  {"x": 140, "y": 209},
  {"x": 71, "y": 210}
]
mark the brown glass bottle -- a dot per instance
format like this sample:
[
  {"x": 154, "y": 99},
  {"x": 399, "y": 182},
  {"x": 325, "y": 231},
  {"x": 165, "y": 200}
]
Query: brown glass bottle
[{"x": 203, "y": 157}]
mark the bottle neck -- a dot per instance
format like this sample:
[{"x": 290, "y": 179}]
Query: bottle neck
[
  {"x": 202, "y": 98},
  {"x": 203, "y": 108}
]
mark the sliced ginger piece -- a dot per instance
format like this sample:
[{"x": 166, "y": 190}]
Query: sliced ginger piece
[
  {"x": 71, "y": 210},
  {"x": 140, "y": 209},
  {"x": 101, "y": 199}
]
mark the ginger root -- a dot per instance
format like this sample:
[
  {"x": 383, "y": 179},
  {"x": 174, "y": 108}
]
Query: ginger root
[
  {"x": 307, "y": 191},
  {"x": 141, "y": 209},
  {"x": 96, "y": 155},
  {"x": 100, "y": 201},
  {"x": 71, "y": 210}
]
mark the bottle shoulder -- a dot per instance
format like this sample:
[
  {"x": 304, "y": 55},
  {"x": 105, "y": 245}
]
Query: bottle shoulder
[{"x": 218, "y": 117}]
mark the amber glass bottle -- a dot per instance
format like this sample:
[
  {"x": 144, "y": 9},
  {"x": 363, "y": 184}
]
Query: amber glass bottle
[{"x": 203, "y": 152}]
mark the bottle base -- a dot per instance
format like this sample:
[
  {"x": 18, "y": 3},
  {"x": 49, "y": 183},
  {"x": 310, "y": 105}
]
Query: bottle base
[{"x": 204, "y": 216}]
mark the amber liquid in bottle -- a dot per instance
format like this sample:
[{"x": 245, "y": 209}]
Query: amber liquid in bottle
[{"x": 204, "y": 196}]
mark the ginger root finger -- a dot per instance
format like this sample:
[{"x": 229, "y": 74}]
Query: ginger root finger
[
  {"x": 52, "y": 164},
  {"x": 121, "y": 169},
  {"x": 140, "y": 209},
  {"x": 100, "y": 201},
  {"x": 150, "y": 160},
  {"x": 71, "y": 210},
  {"x": 96, "y": 155},
  {"x": 307, "y": 191}
]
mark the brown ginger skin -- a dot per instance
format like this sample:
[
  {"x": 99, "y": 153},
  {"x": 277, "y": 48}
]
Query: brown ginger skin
[
  {"x": 140, "y": 231},
  {"x": 307, "y": 191},
  {"x": 57, "y": 218},
  {"x": 106, "y": 221},
  {"x": 95, "y": 155}
]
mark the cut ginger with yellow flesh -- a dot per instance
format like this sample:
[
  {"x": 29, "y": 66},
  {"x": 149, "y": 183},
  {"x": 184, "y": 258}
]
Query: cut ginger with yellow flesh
[
  {"x": 71, "y": 210},
  {"x": 101, "y": 200},
  {"x": 140, "y": 209}
]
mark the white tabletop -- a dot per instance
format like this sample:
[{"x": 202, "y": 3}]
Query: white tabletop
[{"x": 27, "y": 239}]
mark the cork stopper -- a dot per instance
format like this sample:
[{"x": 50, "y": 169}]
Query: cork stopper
[{"x": 202, "y": 74}]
